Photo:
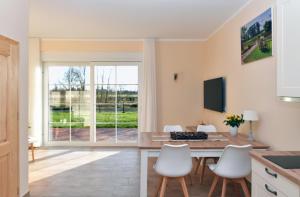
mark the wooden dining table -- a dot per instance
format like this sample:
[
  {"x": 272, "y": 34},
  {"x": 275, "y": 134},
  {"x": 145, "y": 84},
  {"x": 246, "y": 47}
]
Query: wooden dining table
[{"x": 150, "y": 145}]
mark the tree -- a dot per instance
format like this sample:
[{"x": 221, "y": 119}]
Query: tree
[
  {"x": 100, "y": 88},
  {"x": 244, "y": 37},
  {"x": 268, "y": 27},
  {"x": 108, "y": 88},
  {"x": 75, "y": 77},
  {"x": 254, "y": 30},
  {"x": 102, "y": 91},
  {"x": 244, "y": 33},
  {"x": 257, "y": 28}
]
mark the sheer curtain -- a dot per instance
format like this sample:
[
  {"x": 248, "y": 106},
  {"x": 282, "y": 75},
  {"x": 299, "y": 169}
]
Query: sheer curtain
[{"x": 147, "y": 89}]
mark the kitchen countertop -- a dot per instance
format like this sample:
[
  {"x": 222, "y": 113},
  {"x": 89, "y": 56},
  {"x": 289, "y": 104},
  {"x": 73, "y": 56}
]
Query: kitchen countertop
[{"x": 291, "y": 174}]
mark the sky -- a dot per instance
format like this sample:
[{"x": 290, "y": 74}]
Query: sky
[
  {"x": 103, "y": 74},
  {"x": 262, "y": 18},
  {"x": 126, "y": 76}
]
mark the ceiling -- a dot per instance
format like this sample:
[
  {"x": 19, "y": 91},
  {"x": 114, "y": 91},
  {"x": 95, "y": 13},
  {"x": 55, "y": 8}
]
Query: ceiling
[{"x": 129, "y": 19}]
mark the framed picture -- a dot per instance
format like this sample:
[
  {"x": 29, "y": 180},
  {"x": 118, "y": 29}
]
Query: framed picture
[{"x": 256, "y": 38}]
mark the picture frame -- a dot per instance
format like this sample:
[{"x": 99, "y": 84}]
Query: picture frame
[{"x": 257, "y": 38}]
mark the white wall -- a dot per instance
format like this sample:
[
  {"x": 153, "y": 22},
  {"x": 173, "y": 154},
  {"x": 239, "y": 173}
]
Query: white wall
[{"x": 14, "y": 24}]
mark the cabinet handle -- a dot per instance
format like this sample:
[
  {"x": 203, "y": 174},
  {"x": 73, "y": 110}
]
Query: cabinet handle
[
  {"x": 270, "y": 173},
  {"x": 269, "y": 190}
]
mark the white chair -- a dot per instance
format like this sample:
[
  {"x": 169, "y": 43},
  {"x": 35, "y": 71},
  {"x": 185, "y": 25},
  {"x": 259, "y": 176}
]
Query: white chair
[
  {"x": 173, "y": 128},
  {"x": 174, "y": 161},
  {"x": 206, "y": 128},
  {"x": 234, "y": 165},
  {"x": 202, "y": 161},
  {"x": 31, "y": 141}
]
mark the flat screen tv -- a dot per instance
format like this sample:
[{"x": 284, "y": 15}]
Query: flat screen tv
[{"x": 214, "y": 94}]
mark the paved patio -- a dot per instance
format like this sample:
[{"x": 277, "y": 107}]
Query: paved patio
[{"x": 107, "y": 135}]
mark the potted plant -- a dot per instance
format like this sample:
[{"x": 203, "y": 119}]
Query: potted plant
[{"x": 234, "y": 121}]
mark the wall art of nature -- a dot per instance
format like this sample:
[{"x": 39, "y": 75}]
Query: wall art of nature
[{"x": 256, "y": 38}]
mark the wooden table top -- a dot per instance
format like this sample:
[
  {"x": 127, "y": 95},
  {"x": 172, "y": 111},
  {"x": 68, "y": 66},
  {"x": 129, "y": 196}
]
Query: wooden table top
[
  {"x": 291, "y": 174},
  {"x": 217, "y": 140}
]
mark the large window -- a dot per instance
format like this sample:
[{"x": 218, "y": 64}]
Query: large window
[
  {"x": 116, "y": 103},
  {"x": 92, "y": 102}
]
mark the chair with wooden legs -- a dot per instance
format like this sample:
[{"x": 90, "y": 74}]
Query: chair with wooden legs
[
  {"x": 174, "y": 162},
  {"x": 177, "y": 128},
  {"x": 201, "y": 162},
  {"x": 173, "y": 128},
  {"x": 234, "y": 165},
  {"x": 31, "y": 141}
]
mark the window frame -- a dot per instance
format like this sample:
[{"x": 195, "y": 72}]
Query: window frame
[{"x": 92, "y": 141}]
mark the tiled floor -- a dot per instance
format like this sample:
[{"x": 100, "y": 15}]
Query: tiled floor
[{"x": 99, "y": 172}]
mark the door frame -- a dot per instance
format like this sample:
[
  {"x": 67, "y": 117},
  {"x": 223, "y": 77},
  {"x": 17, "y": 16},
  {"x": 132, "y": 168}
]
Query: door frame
[{"x": 92, "y": 141}]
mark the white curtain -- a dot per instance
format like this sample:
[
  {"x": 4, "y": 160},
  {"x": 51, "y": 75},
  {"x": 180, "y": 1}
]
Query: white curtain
[
  {"x": 35, "y": 107},
  {"x": 147, "y": 89}
]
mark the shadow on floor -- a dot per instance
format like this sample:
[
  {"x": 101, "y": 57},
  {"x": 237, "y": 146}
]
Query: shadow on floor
[
  {"x": 86, "y": 173},
  {"x": 103, "y": 172}
]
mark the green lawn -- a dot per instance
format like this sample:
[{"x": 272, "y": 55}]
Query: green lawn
[
  {"x": 104, "y": 120},
  {"x": 258, "y": 54}
]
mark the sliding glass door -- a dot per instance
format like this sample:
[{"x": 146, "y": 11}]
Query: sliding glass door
[
  {"x": 69, "y": 100},
  {"x": 91, "y": 102},
  {"x": 105, "y": 77},
  {"x": 127, "y": 103},
  {"x": 116, "y": 103}
]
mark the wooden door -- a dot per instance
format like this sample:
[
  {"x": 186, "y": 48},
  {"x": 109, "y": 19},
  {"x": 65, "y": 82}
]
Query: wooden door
[{"x": 9, "y": 148}]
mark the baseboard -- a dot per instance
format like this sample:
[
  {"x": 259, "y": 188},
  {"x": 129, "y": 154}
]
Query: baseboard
[{"x": 27, "y": 194}]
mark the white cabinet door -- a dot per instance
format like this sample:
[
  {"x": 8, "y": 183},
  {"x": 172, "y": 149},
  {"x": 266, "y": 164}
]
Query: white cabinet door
[
  {"x": 262, "y": 188},
  {"x": 288, "y": 32}
]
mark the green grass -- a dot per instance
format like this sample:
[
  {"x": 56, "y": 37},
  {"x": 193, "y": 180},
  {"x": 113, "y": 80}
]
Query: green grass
[
  {"x": 65, "y": 116},
  {"x": 106, "y": 117},
  {"x": 125, "y": 120},
  {"x": 103, "y": 119},
  {"x": 258, "y": 54}
]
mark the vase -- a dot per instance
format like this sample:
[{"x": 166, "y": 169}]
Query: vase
[{"x": 233, "y": 131}]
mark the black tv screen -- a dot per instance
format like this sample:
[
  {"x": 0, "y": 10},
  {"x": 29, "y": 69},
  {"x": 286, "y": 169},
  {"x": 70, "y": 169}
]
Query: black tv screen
[{"x": 214, "y": 94}]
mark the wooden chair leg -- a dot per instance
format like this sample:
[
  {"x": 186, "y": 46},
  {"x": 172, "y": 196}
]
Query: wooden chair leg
[
  {"x": 236, "y": 189},
  {"x": 216, "y": 160},
  {"x": 224, "y": 187},
  {"x": 203, "y": 165},
  {"x": 198, "y": 165},
  {"x": 159, "y": 187},
  {"x": 163, "y": 187},
  {"x": 189, "y": 176},
  {"x": 195, "y": 161},
  {"x": 245, "y": 188},
  {"x": 183, "y": 186},
  {"x": 213, "y": 186},
  {"x": 191, "y": 179},
  {"x": 32, "y": 151}
]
